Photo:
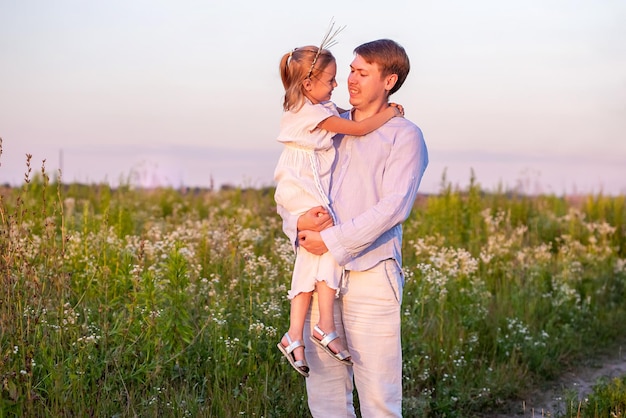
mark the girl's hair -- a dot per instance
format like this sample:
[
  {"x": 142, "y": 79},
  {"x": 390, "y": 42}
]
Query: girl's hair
[{"x": 298, "y": 65}]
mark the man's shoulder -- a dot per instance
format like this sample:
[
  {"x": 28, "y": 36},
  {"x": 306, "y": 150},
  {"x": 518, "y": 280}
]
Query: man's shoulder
[{"x": 404, "y": 126}]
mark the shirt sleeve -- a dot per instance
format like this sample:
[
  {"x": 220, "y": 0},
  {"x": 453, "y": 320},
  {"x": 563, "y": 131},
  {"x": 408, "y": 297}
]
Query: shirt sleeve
[{"x": 404, "y": 169}]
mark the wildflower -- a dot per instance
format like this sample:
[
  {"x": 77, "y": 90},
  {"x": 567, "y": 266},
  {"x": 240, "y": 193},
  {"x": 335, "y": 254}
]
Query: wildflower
[{"x": 230, "y": 343}]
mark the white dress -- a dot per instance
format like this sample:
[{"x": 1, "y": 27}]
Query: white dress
[{"x": 302, "y": 181}]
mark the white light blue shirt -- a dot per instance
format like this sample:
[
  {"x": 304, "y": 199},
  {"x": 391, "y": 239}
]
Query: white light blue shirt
[{"x": 374, "y": 183}]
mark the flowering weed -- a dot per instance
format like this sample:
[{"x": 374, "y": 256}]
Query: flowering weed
[{"x": 124, "y": 302}]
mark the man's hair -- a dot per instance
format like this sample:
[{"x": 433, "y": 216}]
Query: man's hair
[{"x": 390, "y": 57}]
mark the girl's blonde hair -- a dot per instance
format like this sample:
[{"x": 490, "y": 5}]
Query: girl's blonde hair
[{"x": 298, "y": 65}]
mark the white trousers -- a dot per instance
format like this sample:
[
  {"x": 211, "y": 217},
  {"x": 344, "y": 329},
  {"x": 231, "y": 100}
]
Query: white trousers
[{"x": 367, "y": 316}]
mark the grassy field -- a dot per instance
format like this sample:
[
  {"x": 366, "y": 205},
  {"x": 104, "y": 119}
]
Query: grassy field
[{"x": 122, "y": 302}]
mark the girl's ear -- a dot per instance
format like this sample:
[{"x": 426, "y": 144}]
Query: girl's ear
[{"x": 307, "y": 84}]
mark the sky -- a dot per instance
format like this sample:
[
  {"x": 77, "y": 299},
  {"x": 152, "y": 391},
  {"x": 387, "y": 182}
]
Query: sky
[{"x": 521, "y": 95}]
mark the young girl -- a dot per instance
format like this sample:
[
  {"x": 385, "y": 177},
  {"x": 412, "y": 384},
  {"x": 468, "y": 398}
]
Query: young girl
[{"x": 302, "y": 177}]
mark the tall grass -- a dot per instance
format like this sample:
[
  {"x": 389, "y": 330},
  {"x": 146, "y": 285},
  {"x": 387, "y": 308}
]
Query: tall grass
[
  {"x": 608, "y": 399},
  {"x": 125, "y": 302},
  {"x": 504, "y": 291}
]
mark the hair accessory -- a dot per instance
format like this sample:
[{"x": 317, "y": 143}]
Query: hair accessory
[{"x": 327, "y": 42}]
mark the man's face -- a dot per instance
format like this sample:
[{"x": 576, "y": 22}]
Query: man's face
[{"x": 365, "y": 84}]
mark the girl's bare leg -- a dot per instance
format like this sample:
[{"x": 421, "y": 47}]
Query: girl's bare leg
[
  {"x": 326, "y": 301},
  {"x": 299, "y": 308}
]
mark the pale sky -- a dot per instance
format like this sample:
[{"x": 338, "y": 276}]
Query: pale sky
[{"x": 529, "y": 93}]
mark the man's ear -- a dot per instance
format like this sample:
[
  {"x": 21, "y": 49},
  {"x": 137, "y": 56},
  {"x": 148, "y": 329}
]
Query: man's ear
[{"x": 390, "y": 81}]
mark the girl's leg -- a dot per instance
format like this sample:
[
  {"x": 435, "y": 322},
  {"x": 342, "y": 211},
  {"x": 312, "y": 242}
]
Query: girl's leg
[
  {"x": 326, "y": 300},
  {"x": 299, "y": 309}
]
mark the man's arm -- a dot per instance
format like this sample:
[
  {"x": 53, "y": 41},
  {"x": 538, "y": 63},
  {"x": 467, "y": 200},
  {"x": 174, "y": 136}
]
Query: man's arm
[{"x": 403, "y": 173}]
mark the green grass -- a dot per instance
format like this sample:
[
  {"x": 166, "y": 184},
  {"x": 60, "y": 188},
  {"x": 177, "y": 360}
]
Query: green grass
[
  {"x": 124, "y": 302},
  {"x": 608, "y": 399}
]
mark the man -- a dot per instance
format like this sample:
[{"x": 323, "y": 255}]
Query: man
[{"x": 374, "y": 184}]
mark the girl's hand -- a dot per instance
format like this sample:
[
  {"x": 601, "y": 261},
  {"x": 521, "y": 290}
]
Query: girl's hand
[{"x": 399, "y": 109}]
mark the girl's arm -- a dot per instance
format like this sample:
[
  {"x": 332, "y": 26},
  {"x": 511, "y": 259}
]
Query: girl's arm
[{"x": 340, "y": 125}]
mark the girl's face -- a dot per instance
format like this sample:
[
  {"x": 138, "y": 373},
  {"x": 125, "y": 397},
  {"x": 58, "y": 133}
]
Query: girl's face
[{"x": 319, "y": 88}]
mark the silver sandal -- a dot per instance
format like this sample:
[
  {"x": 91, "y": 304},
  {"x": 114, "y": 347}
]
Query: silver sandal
[
  {"x": 342, "y": 357},
  {"x": 300, "y": 365}
]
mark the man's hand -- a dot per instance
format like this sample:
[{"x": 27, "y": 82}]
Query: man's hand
[
  {"x": 312, "y": 242},
  {"x": 309, "y": 226},
  {"x": 315, "y": 219}
]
